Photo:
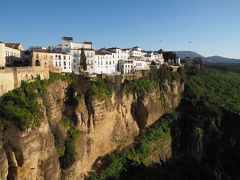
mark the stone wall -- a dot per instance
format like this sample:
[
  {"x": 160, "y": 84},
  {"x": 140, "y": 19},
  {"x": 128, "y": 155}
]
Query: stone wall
[{"x": 10, "y": 78}]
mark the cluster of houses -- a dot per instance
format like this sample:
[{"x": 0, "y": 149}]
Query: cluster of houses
[{"x": 67, "y": 57}]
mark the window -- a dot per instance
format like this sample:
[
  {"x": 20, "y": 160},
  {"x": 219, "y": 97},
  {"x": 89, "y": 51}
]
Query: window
[
  {"x": 64, "y": 57},
  {"x": 64, "y": 63}
]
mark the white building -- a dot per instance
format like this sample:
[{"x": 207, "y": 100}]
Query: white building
[
  {"x": 126, "y": 66},
  {"x": 131, "y": 66},
  {"x": 57, "y": 48},
  {"x": 105, "y": 62},
  {"x": 74, "y": 48},
  {"x": 140, "y": 65},
  {"x": 154, "y": 56},
  {"x": 10, "y": 53},
  {"x": 62, "y": 61},
  {"x": 136, "y": 52}
]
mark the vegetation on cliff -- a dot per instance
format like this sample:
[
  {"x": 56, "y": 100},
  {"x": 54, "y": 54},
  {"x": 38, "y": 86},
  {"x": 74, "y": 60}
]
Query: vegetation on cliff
[
  {"x": 68, "y": 157},
  {"x": 157, "y": 78},
  {"x": 205, "y": 134},
  {"x": 22, "y": 107},
  {"x": 119, "y": 160},
  {"x": 101, "y": 88}
]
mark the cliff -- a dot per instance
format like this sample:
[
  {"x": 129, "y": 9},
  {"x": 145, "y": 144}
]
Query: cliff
[{"x": 78, "y": 128}]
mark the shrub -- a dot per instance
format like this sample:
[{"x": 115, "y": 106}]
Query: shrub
[
  {"x": 142, "y": 86},
  {"x": 65, "y": 121},
  {"x": 21, "y": 105},
  {"x": 69, "y": 154},
  {"x": 101, "y": 88}
]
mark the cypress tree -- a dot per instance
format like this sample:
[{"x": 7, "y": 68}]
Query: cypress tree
[{"x": 83, "y": 61}]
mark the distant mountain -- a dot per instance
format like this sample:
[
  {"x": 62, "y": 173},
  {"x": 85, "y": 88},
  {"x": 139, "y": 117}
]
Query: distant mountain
[
  {"x": 211, "y": 59},
  {"x": 220, "y": 59},
  {"x": 191, "y": 54}
]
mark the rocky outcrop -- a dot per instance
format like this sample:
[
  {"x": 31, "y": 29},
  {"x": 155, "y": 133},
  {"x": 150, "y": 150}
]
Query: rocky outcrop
[{"x": 103, "y": 123}]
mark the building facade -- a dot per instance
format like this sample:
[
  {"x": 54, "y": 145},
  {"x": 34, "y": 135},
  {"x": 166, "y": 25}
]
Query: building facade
[{"x": 10, "y": 53}]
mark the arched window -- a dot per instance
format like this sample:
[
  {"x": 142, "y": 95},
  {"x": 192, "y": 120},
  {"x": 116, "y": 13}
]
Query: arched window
[{"x": 37, "y": 63}]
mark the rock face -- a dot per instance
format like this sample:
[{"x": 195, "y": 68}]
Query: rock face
[{"x": 104, "y": 124}]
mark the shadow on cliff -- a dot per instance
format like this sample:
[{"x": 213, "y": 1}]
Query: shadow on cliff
[{"x": 139, "y": 113}]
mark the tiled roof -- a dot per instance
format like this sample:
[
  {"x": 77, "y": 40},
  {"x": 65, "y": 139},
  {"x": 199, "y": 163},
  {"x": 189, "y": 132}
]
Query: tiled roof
[
  {"x": 99, "y": 53},
  {"x": 47, "y": 51},
  {"x": 13, "y": 45}
]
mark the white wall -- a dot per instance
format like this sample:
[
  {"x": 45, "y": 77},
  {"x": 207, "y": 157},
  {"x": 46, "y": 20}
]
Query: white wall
[
  {"x": 2, "y": 55},
  {"x": 64, "y": 61},
  {"x": 105, "y": 64}
]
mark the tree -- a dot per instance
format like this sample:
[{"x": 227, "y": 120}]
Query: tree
[
  {"x": 83, "y": 61},
  {"x": 160, "y": 51},
  {"x": 153, "y": 63},
  {"x": 169, "y": 55}
]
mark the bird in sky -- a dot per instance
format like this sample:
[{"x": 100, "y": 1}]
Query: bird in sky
[{"x": 189, "y": 42}]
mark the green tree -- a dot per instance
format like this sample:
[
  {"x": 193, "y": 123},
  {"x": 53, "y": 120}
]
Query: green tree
[{"x": 83, "y": 60}]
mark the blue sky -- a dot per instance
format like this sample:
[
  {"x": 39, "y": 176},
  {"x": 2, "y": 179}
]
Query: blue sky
[{"x": 213, "y": 26}]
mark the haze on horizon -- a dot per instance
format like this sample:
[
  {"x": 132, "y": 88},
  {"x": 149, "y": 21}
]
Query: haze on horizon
[{"x": 207, "y": 27}]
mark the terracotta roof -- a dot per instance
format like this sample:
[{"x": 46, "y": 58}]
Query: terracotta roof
[
  {"x": 47, "y": 51},
  {"x": 13, "y": 45},
  {"x": 99, "y": 53}
]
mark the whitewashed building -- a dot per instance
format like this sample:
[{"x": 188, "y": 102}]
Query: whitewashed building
[
  {"x": 62, "y": 61},
  {"x": 74, "y": 48},
  {"x": 10, "y": 53},
  {"x": 125, "y": 66},
  {"x": 105, "y": 62},
  {"x": 140, "y": 65}
]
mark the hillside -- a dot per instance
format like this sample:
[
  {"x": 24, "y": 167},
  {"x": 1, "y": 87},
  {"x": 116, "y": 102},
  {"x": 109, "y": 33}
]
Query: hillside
[
  {"x": 204, "y": 131},
  {"x": 210, "y": 59},
  {"x": 62, "y": 127},
  {"x": 143, "y": 126},
  {"x": 219, "y": 59},
  {"x": 184, "y": 54}
]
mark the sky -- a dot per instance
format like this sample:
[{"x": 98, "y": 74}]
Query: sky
[{"x": 212, "y": 26}]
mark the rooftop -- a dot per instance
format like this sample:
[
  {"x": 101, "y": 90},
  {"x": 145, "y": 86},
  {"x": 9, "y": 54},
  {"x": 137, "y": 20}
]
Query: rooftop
[
  {"x": 67, "y": 38},
  {"x": 14, "y": 45}
]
